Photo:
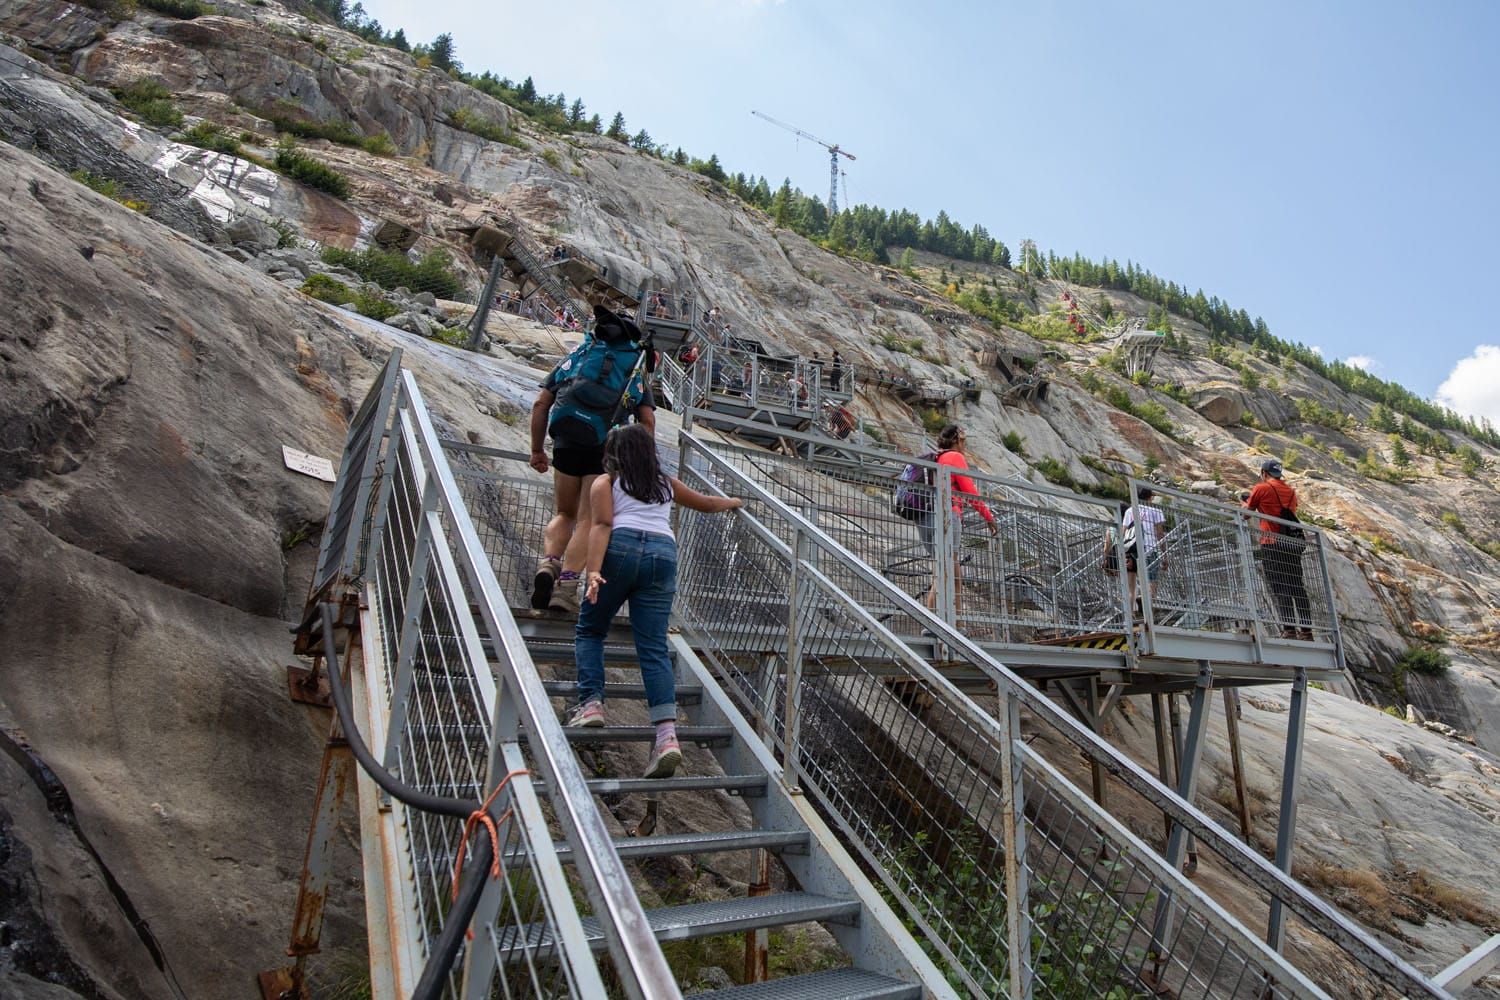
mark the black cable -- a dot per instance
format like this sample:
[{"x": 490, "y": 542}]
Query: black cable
[
  {"x": 444, "y": 950},
  {"x": 463, "y": 808}
]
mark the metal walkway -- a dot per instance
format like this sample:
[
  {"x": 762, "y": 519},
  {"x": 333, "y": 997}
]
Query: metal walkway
[{"x": 937, "y": 836}]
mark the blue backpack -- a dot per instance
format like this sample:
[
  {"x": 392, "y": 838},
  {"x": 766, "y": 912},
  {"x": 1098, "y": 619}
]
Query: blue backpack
[{"x": 596, "y": 386}]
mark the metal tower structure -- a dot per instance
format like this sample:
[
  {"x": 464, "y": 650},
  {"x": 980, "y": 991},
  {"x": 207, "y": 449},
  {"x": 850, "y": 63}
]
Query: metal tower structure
[{"x": 834, "y": 152}]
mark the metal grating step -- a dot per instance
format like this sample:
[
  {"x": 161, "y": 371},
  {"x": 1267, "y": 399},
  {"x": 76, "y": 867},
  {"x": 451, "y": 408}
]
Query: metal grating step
[
  {"x": 703, "y": 736},
  {"x": 549, "y": 651},
  {"x": 665, "y": 845},
  {"x": 833, "y": 984},
  {"x": 746, "y": 785},
  {"x": 691, "y": 920},
  {"x": 687, "y": 694}
]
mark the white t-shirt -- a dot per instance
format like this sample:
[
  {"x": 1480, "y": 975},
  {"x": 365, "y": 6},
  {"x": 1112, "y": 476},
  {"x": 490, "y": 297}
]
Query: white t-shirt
[{"x": 1150, "y": 518}]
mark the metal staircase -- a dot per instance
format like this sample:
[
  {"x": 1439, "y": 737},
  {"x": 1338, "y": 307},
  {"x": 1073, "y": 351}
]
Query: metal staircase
[{"x": 946, "y": 848}]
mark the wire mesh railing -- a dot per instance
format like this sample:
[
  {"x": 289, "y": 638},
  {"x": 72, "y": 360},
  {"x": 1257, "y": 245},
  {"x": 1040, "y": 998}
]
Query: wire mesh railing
[
  {"x": 1019, "y": 563},
  {"x": 452, "y": 688},
  {"x": 1018, "y": 883}
]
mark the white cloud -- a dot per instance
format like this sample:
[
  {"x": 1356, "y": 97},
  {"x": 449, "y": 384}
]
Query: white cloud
[
  {"x": 1317, "y": 350},
  {"x": 1473, "y": 386},
  {"x": 1363, "y": 362}
]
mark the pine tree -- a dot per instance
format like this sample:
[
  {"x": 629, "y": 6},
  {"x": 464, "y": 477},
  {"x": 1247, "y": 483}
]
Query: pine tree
[
  {"x": 1000, "y": 256},
  {"x": 679, "y": 157},
  {"x": 526, "y": 92},
  {"x": 595, "y": 125},
  {"x": 398, "y": 40},
  {"x": 575, "y": 113},
  {"x": 616, "y": 130},
  {"x": 908, "y": 261},
  {"x": 641, "y": 140},
  {"x": 441, "y": 53},
  {"x": 1399, "y": 454},
  {"x": 781, "y": 204}
]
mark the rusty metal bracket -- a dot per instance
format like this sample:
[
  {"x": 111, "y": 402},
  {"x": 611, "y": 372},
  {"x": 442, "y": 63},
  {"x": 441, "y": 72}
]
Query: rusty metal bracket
[{"x": 308, "y": 686}]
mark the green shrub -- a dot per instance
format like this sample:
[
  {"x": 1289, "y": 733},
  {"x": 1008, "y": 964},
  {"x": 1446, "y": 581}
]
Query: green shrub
[
  {"x": 151, "y": 102},
  {"x": 392, "y": 269},
  {"x": 286, "y": 234},
  {"x": 380, "y": 144},
  {"x": 110, "y": 188},
  {"x": 326, "y": 289},
  {"x": 374, "y": 306},
  {"x": 552, "y": 159},
  {"x": 1056, "y": 472},
  {"x": 1014, "y": 442},
  {"x": 1427, "y": 660},
  {"x": 933, "y": 421},
  {"x": 467, "y": 121},
  {"x": 312, "y": 172},
  {"x": 207, "y": 135},
  {"x": 183, "y": 9},
  {"x": 289, "y": 120},
  {"x": 1455, "y": 522}
]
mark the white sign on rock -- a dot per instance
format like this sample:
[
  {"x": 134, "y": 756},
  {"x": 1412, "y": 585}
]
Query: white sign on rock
[{"x": 308, "y": 465}]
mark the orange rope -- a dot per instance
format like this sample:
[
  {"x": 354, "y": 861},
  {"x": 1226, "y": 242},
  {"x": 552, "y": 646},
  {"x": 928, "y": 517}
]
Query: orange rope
[{"x": 482, "y": 817}]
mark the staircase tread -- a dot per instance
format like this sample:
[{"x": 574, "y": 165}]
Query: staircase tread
[
  {"x": 643, "y": 734},
  {"x": 694, "y": 920},
  {"x": 666, "y": 844},
  {"x": 686, "y": 693},
  {"x": 677, "y": 783},
  {"x": 830, "y": 984}
]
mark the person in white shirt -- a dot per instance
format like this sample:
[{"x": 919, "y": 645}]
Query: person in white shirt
[{"x": 1143, "y": 543}]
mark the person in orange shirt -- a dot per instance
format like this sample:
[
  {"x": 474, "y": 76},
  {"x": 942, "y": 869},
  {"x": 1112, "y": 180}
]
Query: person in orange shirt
[
  {"x": 952, "y": 444},
  {"x": 1280, "y": 561}
]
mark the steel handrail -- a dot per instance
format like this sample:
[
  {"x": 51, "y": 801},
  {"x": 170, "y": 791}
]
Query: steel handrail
[
  {"x": 1306, "y": 905},
  {"x": 637, "y": 955}
]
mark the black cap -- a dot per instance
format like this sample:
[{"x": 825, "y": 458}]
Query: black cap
[
  {"x": 1271, "y": 467},
  {"x": 609, "y": 326}
]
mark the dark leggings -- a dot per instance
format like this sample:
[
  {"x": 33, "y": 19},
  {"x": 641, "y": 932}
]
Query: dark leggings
[{"x": 1283, "y": 571}]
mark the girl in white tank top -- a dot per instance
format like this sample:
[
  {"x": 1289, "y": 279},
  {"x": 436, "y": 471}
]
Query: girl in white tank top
[{"x": 633, "y": 557}]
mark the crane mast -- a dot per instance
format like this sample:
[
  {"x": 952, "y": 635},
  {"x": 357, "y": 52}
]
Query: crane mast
[{"x": 834, "y": 152}]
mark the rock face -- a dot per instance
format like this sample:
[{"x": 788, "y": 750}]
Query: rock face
[
  {"x": 159, "y": 546},
  {"x": 1220, "y": 404}
]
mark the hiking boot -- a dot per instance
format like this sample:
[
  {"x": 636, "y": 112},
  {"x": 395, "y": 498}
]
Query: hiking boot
[
  {"x": 666, "y": 757},
  {"x": 565, "y": 596},
  {"x": 590, "y": 715},
  {"x": 547, "y": 570}
]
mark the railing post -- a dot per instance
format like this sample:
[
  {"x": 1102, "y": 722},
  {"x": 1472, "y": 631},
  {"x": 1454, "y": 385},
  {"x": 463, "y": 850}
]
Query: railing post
[
  {"x": 1187, "y": 788},
  {"x": 945, "y": 562},
  {"x": 796, "y": 613},
  {"x": 1017, "y": 886},
  {"x": 1335, "y": 633},
  {"x": 1286, "y": 826},
  {"x": 1245, "y": 546}
]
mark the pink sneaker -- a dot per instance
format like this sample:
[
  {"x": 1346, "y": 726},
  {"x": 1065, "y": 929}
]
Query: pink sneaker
[
  {"x": 590, "y": 714},
  {"x": 665, "y": 759}
]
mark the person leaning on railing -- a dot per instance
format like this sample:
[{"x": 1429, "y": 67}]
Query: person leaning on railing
[{"x": 632, "y": 557}]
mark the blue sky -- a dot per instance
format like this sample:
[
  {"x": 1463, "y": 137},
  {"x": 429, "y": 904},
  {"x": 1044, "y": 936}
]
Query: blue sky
[{"x": 1334, "y": 168}]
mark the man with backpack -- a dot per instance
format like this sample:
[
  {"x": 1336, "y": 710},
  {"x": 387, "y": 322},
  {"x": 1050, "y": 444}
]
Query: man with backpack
[
  {"x": 1282, "y": 543},
  {"x": 599, "y": 385}
]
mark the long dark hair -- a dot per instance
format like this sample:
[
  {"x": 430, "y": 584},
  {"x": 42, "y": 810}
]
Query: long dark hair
[
  {"x": 630, "y": 460},
  {"x": 948, "y": 437}
]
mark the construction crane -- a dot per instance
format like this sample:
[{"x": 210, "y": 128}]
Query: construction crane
[{"x": 834, "y": 152}]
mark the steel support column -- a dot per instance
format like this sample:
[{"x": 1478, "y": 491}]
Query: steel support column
[
  {"x": 1013, "y": 820},
  {"x": 797, "y": 593},
  {"x": 482, "y": 310},
  {"x": 1286, "y": 826},
  {"x": 1187, "y": 788},
  {"x": 1236, "y": 758}
]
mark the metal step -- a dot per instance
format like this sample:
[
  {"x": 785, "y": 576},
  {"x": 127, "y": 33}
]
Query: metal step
[
  {"x": 747, "y": 785},
  {"x": 833, "y": 984},
  {"x": 562, "y": 651},
  {"x": 687, "y": 694},
  {"x": 703, "y": 736},
  {"x": 665, "y": 845},
  {"x": 692, "y": 920}
]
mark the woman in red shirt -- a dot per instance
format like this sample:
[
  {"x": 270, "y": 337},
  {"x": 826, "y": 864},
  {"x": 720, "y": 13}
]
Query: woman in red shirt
[{"x": 952, "y": 444}]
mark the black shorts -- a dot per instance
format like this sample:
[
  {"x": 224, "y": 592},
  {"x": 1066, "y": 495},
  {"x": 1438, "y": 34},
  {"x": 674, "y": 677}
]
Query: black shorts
[{"x": 578, "y": 460}]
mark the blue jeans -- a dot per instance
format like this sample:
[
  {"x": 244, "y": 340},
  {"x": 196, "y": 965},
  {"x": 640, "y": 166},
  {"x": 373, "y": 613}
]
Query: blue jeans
[{"x": 639, "y": 567}]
